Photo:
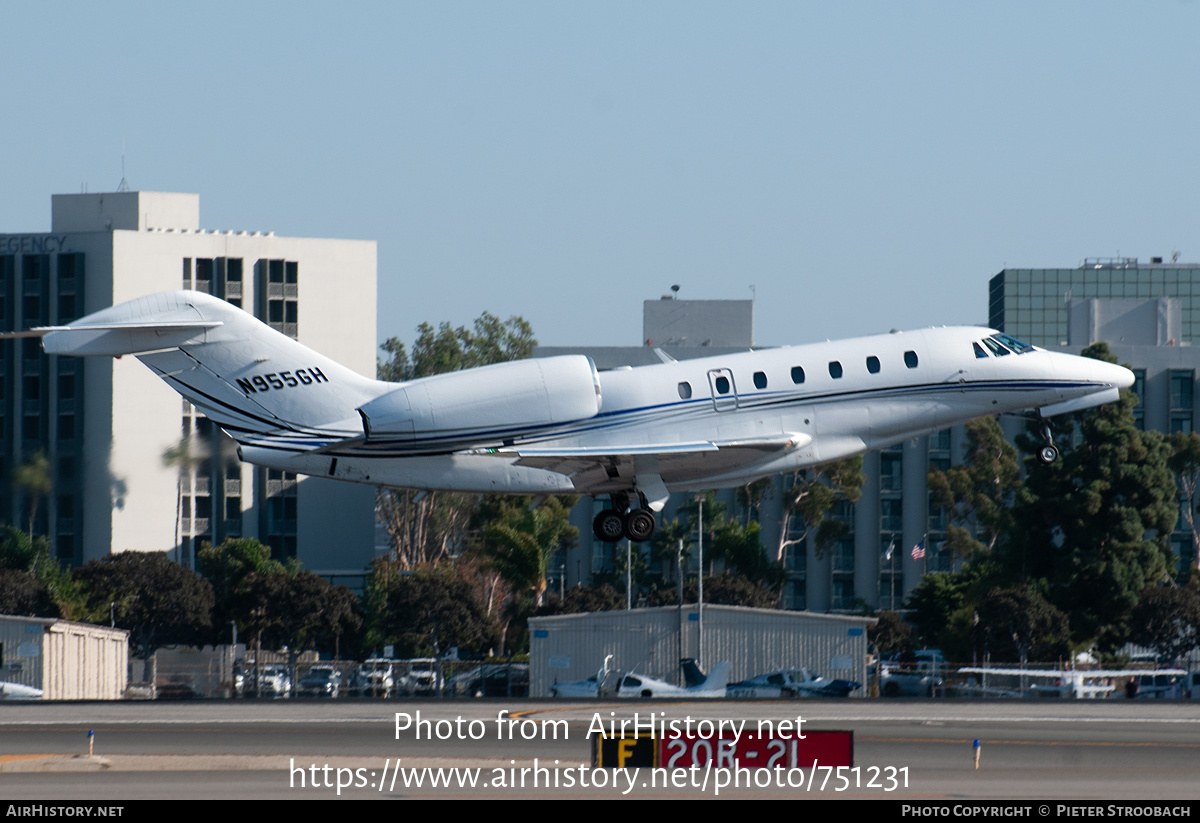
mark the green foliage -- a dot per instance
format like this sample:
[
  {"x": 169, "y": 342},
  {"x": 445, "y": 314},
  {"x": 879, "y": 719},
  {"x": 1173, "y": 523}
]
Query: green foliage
[
  {"x": 1185, "y": 464},
  {"x": 447, "y": 349},
  {"x": 36, "y": 583},
  {"x": 521, "y": 543},
  {"x": 583, "y": 599},
  {"x": 721, "y": 590},
  {"x": 301, "y": 611},
  {"x": 1018, "y": 624},
  {"x": 425, "y": 612},
  {"x": 160, "y": 602},
  {"x": 1096, "y": 524},
  {"x": 813, "y": 494},
  {"x": 1167, "y": 619},
  {"x": 33, "y": 476},
  {"x": 978, "y": 494},
  {"x": 743, "y": 553},
  {"x": 227, "y": 567},
  {"x": 891, "y": 634},
  {"x": 23, "y": 594}
]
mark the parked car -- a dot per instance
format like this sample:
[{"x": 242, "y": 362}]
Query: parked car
[
  {"x": 422, "y": 677},
  {"x": 492, "y": 680},
  {"x": 374, "y": 678},
  {"x": 321, "y": 681},
  {"x": 276, "y": 682},
  {"x": 918, "y": 676}
]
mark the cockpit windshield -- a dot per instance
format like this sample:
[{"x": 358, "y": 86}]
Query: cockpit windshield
[
  {"x": 1019, "y": 346},
  {"x": 994, "y": 347}
]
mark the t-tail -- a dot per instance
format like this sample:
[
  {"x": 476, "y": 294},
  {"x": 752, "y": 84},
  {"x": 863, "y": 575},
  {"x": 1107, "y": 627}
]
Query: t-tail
[{"x": 261, "y": 386}]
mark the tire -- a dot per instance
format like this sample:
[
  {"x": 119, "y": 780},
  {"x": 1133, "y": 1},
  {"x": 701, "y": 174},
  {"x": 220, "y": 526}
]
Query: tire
[
  {"x": 608, "y": 526},
  {"x": 639, "y": 525},
  {"x": 1048, "y": 454}
]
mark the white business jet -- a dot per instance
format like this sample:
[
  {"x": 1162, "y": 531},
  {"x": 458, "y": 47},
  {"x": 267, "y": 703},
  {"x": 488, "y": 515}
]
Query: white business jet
[{"x": 556, "y": 425}]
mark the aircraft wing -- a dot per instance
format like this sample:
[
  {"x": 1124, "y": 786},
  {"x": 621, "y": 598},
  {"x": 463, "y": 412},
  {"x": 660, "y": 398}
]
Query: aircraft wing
[{"x": 598, "y": 469}]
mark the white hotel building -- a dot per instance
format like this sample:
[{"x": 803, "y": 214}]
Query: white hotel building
[{"x": 105, "y": 425}]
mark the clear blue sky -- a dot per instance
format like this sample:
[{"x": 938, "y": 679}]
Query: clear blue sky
[{"x": 864, "y": 165}]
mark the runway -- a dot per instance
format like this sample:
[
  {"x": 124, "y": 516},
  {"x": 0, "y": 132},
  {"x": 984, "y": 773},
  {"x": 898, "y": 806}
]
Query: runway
[{"x": 903, "y": 750}]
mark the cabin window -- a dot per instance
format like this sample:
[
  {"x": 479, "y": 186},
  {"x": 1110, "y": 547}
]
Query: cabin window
[
  {"x": 685, "y": 390},
  {"x": 722, "y": 384},
  {"x": 910, "y": 359},
  {"x": 797, "y": 374},
  {"x": 873, "y": 364},
  {"x": 979, "y": 352},
  {"x": 760, "y": 380},
  {"x": 835, "y": 369}
]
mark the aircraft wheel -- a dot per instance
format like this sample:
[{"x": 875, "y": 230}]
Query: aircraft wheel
[
  {"x": 639, "y": 525},
  {"x": 609, "y": 526},
  {"x": 1048, "y": 454}
]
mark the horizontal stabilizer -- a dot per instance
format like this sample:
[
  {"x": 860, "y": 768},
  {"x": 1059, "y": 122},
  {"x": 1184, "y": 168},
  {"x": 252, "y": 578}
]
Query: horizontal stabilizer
[{"x": 116, "y": 339}]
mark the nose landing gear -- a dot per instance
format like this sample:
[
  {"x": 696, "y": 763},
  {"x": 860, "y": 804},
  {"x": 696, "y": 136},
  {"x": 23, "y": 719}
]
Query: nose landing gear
[{"x": 1048, "y": 453}]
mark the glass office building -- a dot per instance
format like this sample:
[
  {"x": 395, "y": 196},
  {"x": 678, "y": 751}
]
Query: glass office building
[{"x": 1032, "y": 304}]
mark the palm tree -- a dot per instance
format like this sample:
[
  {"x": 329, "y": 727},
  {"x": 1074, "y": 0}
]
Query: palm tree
[{"x": 34, "y": 477}]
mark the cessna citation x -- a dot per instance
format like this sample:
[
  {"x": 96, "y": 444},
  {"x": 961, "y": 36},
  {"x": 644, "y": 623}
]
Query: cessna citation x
[{"x": 557, "y": 426}]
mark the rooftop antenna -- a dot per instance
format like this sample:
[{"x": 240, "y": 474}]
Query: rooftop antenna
[{"x": 124, "y": 186}]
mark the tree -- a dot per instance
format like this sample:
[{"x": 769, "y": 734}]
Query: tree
[
  {"x": 1095, "y": 525},
  {"x": 425, "y": 612},
  {"x": 1185, "y": 463},
  {"x": 891, "y": 634},
  {"x": 23, "y": 594},
  {"x": 812, "y": 496},
  {"x": 447, "y": 349},
  {"x": 1167, "y": 619},
  {"x": 34, "y": 477},
  {"x": 227, "y": 566},
  {"x": 522, "y": 545},
  {"x": 300, "y": 611},
  {"x": 583, "y": 599},
  {"x": 429, "y": 527},
  {"x": 721, "y": 590},
  {"x": 978, "y": 494},
  {"x": 743, "y": 553},
  {"x": 1018, "y": 624},
  {"x": 158, "y": 601},
  {"x": 35, "y": 576}
]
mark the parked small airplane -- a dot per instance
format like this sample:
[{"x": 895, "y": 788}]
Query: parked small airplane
[
  {"x": 17, "y": 691},
  {"x": 556, "y": 425},
  {"x": 633, "y": 685},
  {"x": 791, "y": 683}
]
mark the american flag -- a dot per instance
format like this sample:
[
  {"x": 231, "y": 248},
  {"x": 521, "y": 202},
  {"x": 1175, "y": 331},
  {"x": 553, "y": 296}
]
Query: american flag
[{"x": 918, "y": 552}]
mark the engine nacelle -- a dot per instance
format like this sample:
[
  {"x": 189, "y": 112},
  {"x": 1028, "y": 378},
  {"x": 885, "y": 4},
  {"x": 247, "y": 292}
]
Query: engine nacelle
[{"x": 489, "y": 401}]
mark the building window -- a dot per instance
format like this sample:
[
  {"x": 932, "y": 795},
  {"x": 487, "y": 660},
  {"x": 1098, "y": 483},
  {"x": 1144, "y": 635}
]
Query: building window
[
  {"x": 1182, "y": 381},
  {"x": 1139, "y": 389}
]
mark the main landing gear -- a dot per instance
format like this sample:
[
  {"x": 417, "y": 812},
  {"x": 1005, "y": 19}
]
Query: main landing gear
[
  {"x": 1048, "y": 453},
  {"x": 636, "y": 525}
]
